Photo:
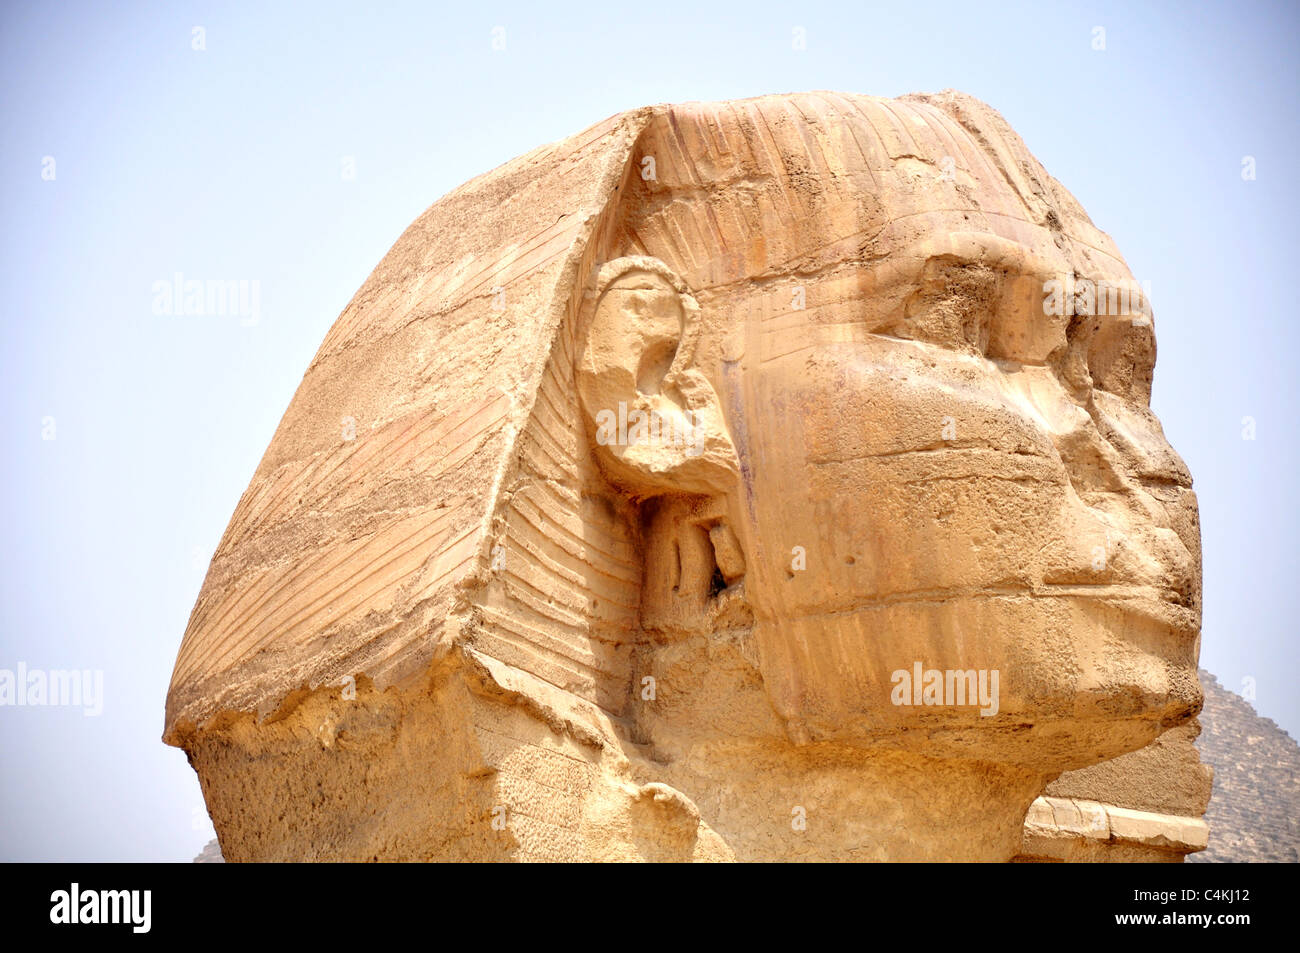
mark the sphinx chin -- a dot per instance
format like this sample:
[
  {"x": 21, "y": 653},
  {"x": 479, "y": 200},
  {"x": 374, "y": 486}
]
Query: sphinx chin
[{"x": 1051, "y": 683}]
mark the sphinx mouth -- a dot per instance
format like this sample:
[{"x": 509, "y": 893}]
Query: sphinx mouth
[{"x": 1164, "y": 606}]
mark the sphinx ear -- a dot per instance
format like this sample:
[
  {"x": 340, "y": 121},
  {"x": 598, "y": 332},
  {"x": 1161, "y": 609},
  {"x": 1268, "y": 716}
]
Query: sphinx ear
[{"x": 654, "y": 420}]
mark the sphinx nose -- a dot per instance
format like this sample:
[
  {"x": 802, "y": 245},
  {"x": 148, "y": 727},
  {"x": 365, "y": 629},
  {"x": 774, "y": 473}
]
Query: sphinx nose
[
  {"x": 1135, "y": 434},
  {"x": 1160, "y": 494},
  {"x": 1094, "y": 465},
  {"x": 1137, "y": 495}
]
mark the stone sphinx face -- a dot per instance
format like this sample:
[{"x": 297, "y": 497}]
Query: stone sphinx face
[
  {"x": 934, "y": 454},
  {"x": 972, "y": 484}
]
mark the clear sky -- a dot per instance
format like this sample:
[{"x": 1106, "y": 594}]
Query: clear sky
[{"x": 129, "y": 435}]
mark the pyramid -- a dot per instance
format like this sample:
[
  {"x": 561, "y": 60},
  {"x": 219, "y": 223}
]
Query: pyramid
[{"x": 1254, "y": 812}]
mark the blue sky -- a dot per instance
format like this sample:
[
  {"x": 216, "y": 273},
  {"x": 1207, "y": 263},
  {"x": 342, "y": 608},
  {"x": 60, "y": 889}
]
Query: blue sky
[{"x": 228, "y": 163}]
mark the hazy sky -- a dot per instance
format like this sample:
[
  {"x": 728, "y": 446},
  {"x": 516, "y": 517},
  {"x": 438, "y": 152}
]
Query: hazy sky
[{"x": 129, "y": 435}]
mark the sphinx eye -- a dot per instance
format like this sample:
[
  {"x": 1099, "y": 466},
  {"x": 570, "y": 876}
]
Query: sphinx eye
[{"x": 953, "y": 305}]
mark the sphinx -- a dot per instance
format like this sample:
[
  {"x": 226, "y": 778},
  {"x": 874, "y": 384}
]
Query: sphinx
[{"x": 611, "y": 504}]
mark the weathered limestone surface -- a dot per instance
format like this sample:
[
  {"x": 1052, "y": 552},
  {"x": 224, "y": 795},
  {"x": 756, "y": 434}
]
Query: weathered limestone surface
[
  {"x": 1067, "y": 829},
  {"x": 1165, "y": 777},
  {"x": 1165, "y": 783},
  {"x": 618, "y": 505}
]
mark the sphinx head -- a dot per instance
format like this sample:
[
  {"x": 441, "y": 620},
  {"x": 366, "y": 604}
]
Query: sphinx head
[{"x": 720, "y": 458}]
